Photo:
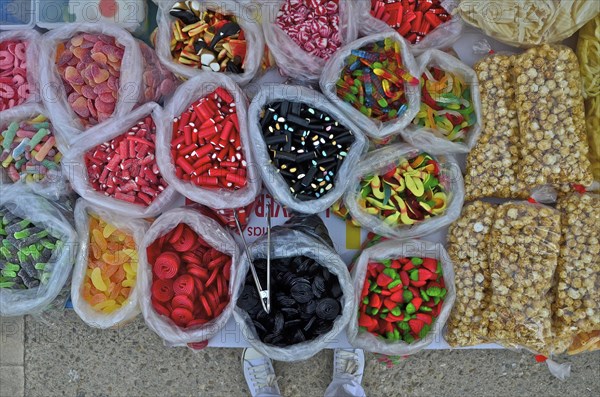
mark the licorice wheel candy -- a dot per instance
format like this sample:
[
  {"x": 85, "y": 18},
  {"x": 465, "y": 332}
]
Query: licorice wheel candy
[
  {"x": 166, "y": 265},
  {"x": 162, "y": 290},
  {"x": 186, "y": 241}
]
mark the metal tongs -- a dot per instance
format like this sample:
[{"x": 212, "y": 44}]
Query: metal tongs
[{"x": 264, "y": 295}]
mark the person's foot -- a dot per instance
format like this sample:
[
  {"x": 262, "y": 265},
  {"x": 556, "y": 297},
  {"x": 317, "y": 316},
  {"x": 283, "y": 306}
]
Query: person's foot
[
  {"x": 259, "y": 373},
  {"x": 349, "y": 362}
]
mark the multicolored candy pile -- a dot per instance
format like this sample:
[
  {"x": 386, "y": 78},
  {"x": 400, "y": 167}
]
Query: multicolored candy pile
[
  {"x": 90, "y": 67},
  {"x": 312, "y": 24},
  {"x": 412, "y": 19},
  {"x": 306, "y": 145},
  {"x": 206, "y": 146},
  {"x": 125, "y": 167},
  {"x": 373, "y": 80},
  {"x": 14, "y": 87},
  {"x": 408, "y": 193},
  {"x": 207, "y": 40},
  {"x": 112, "y": 267},
  {"x": 29, "y": 150},
  {"x": 446, "y": 104},
  {"x": 190, "y": 279},
  {"x": 25, "y": 250},
  {"x": 305, "y": 301},
  {"x": 401, "y": 298}
]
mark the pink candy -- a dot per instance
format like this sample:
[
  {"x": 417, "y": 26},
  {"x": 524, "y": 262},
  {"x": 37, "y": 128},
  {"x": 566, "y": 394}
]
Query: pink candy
[
  {"x": 312, "y": 24},
  {"x": 14, "y": 89}
]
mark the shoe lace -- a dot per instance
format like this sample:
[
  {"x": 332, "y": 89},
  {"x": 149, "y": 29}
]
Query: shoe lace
[
  {"x": 347, "y": 362},
  {"x": 262, "y": 376}
]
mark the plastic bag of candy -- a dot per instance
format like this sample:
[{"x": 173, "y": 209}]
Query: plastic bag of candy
[
  {"x": 449, "y": 118},
  {"x": 19, "y": 68},
  {"x": 303, "y": 34},
  {"x": 311, "y": 294},
  {"x": 404, "y": 292},
  {"x": 375, "y": 82},
  {"x": 186, "y": 272},
  {"x": 425, "y": 24},
  {"x": 37, "y": 254},
  {"x": 94, "y": 72},
  {"x": 402, "y": 192},
  {"x": 203, "y": 143},
  {"x": 305, "y": 178},
  {"x": 209, "y": 36},
  {"x": 103, "y": 287},
  {"x": 30, "y": 151},
  {"x": 115, "y": 167}
]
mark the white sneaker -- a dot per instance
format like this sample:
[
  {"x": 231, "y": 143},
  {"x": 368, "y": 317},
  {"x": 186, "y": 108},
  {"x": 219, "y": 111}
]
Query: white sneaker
[
  {"x": 349, "y": 362},
  {"x": 259, "y": 373}
]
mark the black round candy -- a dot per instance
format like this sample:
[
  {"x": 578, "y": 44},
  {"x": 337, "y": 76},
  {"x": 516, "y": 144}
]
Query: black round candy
[
  {"x": 302, "y": 292},
  {"x": 328, "y": 309},
  {"x": 248, "y": 298}
]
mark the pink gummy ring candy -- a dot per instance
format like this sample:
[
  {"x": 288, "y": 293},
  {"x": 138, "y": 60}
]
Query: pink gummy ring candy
[
  {"x": 162, "y": 290},
  {"x": 166, "y": 265},
  {"x": 181, "y": 316},
  {"x": 184, "y": 285},
  {"x": 186, "y": 241},
  {"x": 183, "y": 302}
]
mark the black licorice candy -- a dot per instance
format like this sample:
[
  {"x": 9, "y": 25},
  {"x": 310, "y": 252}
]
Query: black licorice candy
[
  {"x": 306, "y": 145},
  {"x": 305, "y": 301}
]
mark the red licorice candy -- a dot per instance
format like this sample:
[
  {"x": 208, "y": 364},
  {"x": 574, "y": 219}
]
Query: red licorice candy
[
  {"x": 412, "y": 19},
  {"x": 206, "y": 146},
  {"x": 190, "y": 279},
  {"x": 125, "y": 168},
  {"x": 14, "y": 88}
]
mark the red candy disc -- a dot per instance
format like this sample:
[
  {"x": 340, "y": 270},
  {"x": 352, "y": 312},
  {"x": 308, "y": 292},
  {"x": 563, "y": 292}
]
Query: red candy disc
[
  {"x": 181, "y": 316},
  {"x": 160, "y": 309},
  {"x": 176, "y": 233},
  {"x": 206, "y": 305},
  {"x": 186, "y": 241},
  {"x": 182, "y": 301},
  {"x": 184, "y": 285},
  {"x": 198, "y": 321},
  {"x": 166, "y": 265},
  {"x": 197, "y": 271},
  {"x": 162, "y": 290},
  {"x": 197, "y": 345}
]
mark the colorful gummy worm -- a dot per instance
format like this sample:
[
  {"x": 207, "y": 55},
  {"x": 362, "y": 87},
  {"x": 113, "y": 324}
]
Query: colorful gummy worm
[
  {"x": 207, "y": 40},
  {"x": 446, "y": 105},
  {"x": 412, "y": 19},
  {"x": 373, "y": 80},
  {"x": 401, "y": 298},
  {"x": 112, "y": 267},
  {"x": 408, "y": 193},
  {"x": 29, "y": 150},
  {"x": 25, "y": 250}
]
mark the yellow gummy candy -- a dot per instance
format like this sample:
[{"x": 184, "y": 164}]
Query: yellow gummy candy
[
  {"x": 108, "y": 230},
  {"x": 106, "y": 303},
  {"x": 99, "y": 239},
  {"x": 97, "y": 280},
  {"x": 128, "y": 269},
  {"x": 128, "y": 283}
]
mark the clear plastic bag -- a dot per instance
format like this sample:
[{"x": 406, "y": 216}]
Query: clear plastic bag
[
  {"x": 553, "y": 141},
  {"x": 273, "y": 180},
  {"x": 192, "y": 90},
  {"x": 523, "y": 259},
  {"x": 592, "y": 112},
  {"x": 20, "y": 201},
  {"x": 441, "y": 37},
  {"x": 380, "y": 161},
  {"x": 86, "y": 312},
  {"x": 53, "y": 92},
  {"x": 434, "y": 140},
  {"x": 528, "y": 23},
  {"x": 576, "y": 306},
  {"x": 217, "y": 237},
  {"x": 391, "y": 250},
  {"x": 76, "y": 169},
  {"x": 492, "y": 164},
  {"x": 468, "y": 242},
  {"x": 32, "y": 37},
  {"x": 373, "y": 128},
  {"x": 246, "y": 18},
  {"x": 55, "y": 183},
  {"x": 294, "y": 61},
  {"x": 287, "y": 242},
  {"x": 158, "y": 82}
]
